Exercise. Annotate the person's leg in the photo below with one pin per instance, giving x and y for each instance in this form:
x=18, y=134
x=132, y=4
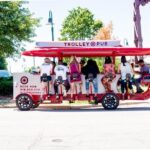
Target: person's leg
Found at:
x=109, y=86
x=56, y=89
x=87, y=87
x=95, y=85
x=110, y=80
x=137, y=84
x=80, y=87
x=65, y=88
x=67, y=85
x=71, y=92
x=72, y=89
x=123, y=87
x=44, y=89
x=105, y=83
x=130, y=86
x=49, y=78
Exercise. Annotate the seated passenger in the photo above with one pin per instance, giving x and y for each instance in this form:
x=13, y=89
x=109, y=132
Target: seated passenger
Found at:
x=46, y=70
x=144, y=69
x=91, y=70
x=61, y=77
x=126, y=71
x=75, y=75
x=109, y=74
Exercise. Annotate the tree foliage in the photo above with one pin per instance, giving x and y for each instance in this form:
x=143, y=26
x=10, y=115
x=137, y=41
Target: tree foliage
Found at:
x=105, y=33
x=3, y=64
x=79, y=25
x=17, y=25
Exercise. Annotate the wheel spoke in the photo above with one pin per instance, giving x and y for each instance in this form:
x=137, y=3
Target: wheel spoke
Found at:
x=24, y=102
x=110, y=101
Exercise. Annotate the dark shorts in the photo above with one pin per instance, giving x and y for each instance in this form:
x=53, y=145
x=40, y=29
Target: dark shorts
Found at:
x=126, y=84
x=45, y=78
x=75, y=77
x=64, y=82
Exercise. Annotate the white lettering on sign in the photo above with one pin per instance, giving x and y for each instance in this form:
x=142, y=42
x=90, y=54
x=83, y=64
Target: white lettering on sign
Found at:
x=102, y=43
x=85, y=44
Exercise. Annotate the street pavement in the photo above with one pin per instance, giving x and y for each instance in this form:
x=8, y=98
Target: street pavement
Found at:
x=128, y=127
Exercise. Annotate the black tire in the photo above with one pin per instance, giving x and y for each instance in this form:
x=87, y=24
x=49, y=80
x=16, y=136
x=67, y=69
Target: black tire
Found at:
x=110, y=101
x=24, y=102
x=35, y=105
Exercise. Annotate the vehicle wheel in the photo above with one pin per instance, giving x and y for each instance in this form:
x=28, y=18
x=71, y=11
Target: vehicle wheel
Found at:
x=110, y=101
x=24, y=102
x=35, y=105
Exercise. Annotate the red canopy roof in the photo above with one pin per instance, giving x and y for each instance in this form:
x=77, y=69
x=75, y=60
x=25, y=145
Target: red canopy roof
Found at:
x=87, y=52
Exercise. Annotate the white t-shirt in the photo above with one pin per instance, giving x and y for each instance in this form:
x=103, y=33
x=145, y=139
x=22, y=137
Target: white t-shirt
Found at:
x=46, y=68
x=125, y=70
x=61, y=70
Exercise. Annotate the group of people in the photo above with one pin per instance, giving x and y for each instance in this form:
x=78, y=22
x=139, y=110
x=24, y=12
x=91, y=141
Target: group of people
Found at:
x=90, y=70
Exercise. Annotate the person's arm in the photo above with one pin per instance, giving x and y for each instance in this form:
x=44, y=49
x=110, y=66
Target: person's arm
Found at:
x=114, y=71
x=79, y=68
x=69, y=68
x=119, y=71
x=132, y=71
x=55, y=69
x=137, y=72
x=104, y=70
x=51, y=69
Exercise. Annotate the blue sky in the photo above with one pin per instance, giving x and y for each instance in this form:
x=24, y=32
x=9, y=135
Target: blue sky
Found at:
x=120, y=12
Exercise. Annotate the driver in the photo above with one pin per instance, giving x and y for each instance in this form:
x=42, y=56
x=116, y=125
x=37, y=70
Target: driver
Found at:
x=144, y=69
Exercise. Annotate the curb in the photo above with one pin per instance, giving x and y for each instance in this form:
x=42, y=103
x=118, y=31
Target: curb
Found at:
x=64, y=106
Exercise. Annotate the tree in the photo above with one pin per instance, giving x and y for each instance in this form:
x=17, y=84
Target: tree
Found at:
x=79, y=25
x=3, y=64
x=105, y=33
x=17, y=25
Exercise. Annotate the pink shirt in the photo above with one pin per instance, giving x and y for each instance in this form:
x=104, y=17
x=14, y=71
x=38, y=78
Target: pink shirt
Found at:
x=74, y=67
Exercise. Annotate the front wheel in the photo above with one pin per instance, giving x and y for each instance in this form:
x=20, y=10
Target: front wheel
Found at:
x=110, y=101
x=24, y=102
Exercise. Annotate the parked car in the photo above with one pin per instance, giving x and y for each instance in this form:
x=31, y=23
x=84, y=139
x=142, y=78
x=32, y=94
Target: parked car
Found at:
x=5, y=74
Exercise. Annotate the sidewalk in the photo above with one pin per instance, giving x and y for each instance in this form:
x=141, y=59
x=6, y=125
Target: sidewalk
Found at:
x=9, y=103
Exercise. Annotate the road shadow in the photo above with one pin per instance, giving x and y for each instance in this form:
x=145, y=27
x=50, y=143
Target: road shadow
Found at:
x=97, y=109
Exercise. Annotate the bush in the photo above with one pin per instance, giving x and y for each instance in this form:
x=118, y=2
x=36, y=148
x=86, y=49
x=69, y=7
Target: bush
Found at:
x=6, y=86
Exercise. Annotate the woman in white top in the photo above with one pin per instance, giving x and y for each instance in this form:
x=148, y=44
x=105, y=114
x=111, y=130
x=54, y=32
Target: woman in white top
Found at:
x=45, y=72
x=126, y=74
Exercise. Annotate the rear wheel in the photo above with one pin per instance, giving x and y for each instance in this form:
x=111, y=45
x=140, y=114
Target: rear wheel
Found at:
x=24, y=102
x=110, y=101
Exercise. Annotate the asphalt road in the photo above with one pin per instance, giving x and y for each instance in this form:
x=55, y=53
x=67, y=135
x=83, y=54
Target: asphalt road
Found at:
x=92, y=129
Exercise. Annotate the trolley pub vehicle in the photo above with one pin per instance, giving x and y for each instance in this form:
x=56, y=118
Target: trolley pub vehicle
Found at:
x=27, y=86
